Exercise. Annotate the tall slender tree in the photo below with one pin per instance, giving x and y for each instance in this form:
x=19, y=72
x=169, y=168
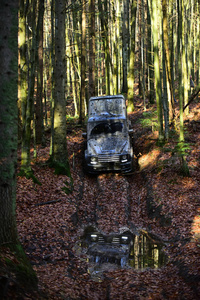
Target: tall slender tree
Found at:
x=181, y=66
x=52, y=66
x=185, y=77
x=116, y=48
x=39, y=55
x=165, y=93
x=60, y=155
x=142, y=51
x=22, y=70
x=131, y=74
x=154, y=21
x=28, y=101
x=166, y=54
x=125, y=44
x=180, y=47
x=92, y=48
x=23, y=75
x=104, y=32
x=150, y=66
x=198, y=44
x=83, y=61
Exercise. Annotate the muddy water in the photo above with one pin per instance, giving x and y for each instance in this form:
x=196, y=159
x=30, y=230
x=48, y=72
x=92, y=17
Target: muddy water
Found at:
x=122, y=250
x=112, y=211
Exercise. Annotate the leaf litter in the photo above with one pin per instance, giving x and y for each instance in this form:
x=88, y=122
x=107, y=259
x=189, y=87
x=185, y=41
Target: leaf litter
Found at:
x=49, y=232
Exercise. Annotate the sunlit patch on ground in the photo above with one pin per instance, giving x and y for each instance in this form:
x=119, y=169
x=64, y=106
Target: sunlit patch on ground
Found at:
x=196, y=227
x=149, y=159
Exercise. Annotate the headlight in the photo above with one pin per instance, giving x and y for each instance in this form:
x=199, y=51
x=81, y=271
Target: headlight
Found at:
x=93, y=160
x=124, y=158
x=94, y=237
x=124, y=239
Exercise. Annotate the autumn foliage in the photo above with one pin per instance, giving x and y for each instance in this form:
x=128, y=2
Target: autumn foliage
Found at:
x=155, y=198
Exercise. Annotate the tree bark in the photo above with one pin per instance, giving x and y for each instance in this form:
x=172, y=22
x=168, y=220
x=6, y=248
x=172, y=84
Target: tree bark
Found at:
x=151, y=90
x=27, y=101
x=39, y=105
x=8, y=117
x=60, y=155
x=131, y=76
x=23, y=85
x=52, y=75
x=116, y=52
x=181, y=59
x=167, y=59
x=154, y=20
x=125, y=44
x=92, y=48
x=83, y=63
x=104, y=28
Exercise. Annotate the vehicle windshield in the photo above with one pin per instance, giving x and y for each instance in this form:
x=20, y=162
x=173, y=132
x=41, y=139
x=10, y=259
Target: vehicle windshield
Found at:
x=114, y=106
x=107, y=127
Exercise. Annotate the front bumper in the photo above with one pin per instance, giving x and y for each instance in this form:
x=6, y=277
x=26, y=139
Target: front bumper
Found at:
x=106, y=166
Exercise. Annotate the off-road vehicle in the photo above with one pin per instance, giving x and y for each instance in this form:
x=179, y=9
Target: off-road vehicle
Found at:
x=108, y=146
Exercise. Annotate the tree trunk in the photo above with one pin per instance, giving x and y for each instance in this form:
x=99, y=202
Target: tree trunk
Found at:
x=172, y=50
x=185, y=77
x=92, y=48
x=27, y=104
x=52, y=66
x=143, y=71
x=181, y=59
x=8, y=117
x=125, y=44
x=104, y=28
x=165, y=94
x=167, y=59
x=180, y=36
x=115, y=40
x=131, y=78
x=22, y=70
x=83, y=63
x=150, y=59
x=76, y=57
x=23, y=75
x=60, y=155
x=198, y=46
x=154, y=20
x=39, y=105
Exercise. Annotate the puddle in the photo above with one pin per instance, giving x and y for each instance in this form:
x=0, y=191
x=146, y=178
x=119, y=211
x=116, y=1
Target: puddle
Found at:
x=123, y=250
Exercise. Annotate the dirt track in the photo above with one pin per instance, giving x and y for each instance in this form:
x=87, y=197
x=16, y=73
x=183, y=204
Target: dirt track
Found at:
x=146, y=200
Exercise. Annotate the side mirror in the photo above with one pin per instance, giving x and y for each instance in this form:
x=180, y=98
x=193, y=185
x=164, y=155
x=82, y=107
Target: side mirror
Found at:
x=84, y=135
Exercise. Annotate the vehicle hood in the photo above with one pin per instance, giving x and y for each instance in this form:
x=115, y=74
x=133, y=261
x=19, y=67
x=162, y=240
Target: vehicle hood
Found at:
x=107, y=145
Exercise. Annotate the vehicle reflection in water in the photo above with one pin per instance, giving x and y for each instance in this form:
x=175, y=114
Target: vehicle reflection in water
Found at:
x=124, y=250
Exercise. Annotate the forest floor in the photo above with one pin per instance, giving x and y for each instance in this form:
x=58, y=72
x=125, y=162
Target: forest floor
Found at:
x=156, y=198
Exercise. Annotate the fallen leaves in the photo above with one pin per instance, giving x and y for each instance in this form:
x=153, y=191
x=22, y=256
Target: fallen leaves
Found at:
x=50, y=223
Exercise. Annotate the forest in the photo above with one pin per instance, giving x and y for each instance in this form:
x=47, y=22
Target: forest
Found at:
x=67, y=234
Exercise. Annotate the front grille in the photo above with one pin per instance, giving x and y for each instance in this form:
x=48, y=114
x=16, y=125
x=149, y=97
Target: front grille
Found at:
x=108, y=158
x=101, y=239
x=116, y=240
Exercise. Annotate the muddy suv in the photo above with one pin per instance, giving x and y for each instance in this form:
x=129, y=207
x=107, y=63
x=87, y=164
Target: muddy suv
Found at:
x=108, y=146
